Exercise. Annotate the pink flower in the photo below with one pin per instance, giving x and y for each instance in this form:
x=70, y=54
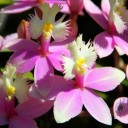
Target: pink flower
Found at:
x=120, y=109
x=22, y=5
x=86, y=81
x=111, y=21
x=23, y=114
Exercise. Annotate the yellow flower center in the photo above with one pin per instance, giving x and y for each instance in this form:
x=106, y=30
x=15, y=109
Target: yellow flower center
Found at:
x=10, y=90
x=47, y=29
x=80, y=65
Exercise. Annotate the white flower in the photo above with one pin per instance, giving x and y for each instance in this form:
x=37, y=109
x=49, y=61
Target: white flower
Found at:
x=14, y=85
x=82, y=57
x=47, y=26
x=115, y=15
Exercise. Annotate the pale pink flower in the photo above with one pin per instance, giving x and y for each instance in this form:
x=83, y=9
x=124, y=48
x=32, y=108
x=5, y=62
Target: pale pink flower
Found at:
x=109, y=18
x=120, y=109
x=86, y=80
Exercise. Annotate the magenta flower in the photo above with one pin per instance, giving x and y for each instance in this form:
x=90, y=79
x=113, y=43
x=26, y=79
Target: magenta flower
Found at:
x=120, y=109
x=23, y=114
x=109, y=18
x=86, y=80
x=22, y=5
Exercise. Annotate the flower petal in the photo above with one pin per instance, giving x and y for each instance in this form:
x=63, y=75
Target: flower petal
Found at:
x=21, y=88
x=108, y=78
x=42, y=68
x=22, y=122
x=55, y=59
x=95, y=13
x=105, y=5
x=96, y=106
x=61, y=29
x=69, y=108
x=120, y=109
x=23, y=60
x=17, y=7
x=21, y=44
x=104, y=44
x=34, y=108
x=122, y=42
x=36, y=26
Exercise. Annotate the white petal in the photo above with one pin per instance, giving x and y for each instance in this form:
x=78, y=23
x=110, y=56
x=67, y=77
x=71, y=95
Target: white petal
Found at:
x=119, y=23
x=36, y=25
x=68, y=68
x=21, y=88
x=61, y=30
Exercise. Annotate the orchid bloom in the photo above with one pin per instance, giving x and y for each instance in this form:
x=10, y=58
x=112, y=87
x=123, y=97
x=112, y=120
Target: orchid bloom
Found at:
x=47, y=26
x=22, y=5
x=87, y=79
x=120, y=109
x=23, y=114
x=111, y=20
x=14, y=87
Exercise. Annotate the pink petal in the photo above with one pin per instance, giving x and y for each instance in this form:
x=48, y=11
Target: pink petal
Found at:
x=34, y=108
x=96, y=106
x=18, y=7
x=67, y=105
x=60, y=46
x=59, y=84
x=105, y=5
x=42, y=68
x=122, y=42
x=23, y=60
x=103, y=44
x=95, y=13
x=22, y=122
x=120, y=109
x=21, y=44
x=104, y=79
x=55, y=59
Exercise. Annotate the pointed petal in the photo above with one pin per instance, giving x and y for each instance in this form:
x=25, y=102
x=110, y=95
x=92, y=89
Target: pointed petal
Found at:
x=42, y=68
x=108, y=78
x=17, y=7
x=95, y=13
x=34, y=108
x=22, y=122
x=23, y=60
x=21, y=88
x=122, y=42
x=21, y=44
x=105, y=5
x=96, y=106
x=103, y=44
x=120, y=109
x=69, y=108
x=56, y=60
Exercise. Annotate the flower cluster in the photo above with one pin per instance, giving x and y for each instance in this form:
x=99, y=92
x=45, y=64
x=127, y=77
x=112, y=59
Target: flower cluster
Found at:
x=46, y=46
